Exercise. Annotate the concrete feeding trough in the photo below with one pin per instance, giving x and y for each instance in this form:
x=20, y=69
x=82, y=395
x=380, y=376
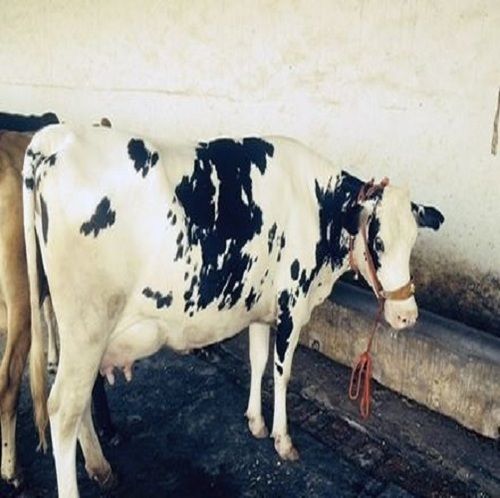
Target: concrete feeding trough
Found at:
x=444, y=365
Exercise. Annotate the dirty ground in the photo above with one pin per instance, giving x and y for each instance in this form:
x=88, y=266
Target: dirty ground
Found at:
x=184, y=435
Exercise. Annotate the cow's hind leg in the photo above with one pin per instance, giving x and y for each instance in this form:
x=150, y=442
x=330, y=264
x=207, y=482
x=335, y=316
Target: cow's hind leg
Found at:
x=258, y=335
x=286, y=342
x=102, y=416
x=96, y=464
x=68, y=401
x=11, y=371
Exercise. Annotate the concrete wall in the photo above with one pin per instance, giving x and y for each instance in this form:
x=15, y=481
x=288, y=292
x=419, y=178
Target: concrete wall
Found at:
x=401, y=88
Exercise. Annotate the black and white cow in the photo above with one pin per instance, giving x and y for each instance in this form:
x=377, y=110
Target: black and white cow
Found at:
x=146, y=246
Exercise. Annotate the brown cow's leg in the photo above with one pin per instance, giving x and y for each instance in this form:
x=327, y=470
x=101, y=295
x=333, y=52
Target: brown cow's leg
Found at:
x=14, y=284
x=11, y=371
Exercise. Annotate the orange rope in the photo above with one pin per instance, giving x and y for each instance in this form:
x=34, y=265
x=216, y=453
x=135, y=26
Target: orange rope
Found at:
x=360, y=384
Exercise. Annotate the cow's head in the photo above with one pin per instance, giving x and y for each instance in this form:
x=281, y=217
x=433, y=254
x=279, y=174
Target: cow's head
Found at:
x=384, y=224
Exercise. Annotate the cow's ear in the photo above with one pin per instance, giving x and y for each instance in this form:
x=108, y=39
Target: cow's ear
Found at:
x=427, y=216
x=351, y=219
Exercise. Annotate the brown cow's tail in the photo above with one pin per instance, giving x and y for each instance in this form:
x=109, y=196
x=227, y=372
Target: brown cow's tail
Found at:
x=38, y=370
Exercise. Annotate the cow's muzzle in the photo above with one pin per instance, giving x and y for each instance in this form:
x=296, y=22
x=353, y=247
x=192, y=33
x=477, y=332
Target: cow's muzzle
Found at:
x=401, y=314
x=400, y=308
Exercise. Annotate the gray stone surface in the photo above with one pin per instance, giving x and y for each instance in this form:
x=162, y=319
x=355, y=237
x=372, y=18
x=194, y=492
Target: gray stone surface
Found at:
x=449, y=367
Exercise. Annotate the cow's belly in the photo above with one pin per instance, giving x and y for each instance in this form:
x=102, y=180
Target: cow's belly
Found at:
x=138, y=337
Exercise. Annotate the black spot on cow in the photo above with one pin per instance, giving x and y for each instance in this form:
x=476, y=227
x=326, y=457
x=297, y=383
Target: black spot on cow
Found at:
x=294, y=269
x=51, y=160
x=29, y=183
x=251, y=299
x=281, y=240
x=180, y=253
x=337, y=210
x=162, y=301
x=180, y=246
x=304, y=282
x=45, y=219
x=169, y=214
x=186, y=276
x=36, y=159
x=279, y=368
x=174, y=219
x=143, y=158
x=103, y=217
x=188, y=295
x=284, y=324
x=373, y=230
x=222, y=237
x=270, y=237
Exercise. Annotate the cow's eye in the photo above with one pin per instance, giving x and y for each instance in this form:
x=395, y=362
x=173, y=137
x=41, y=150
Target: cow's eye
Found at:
x=379, y=244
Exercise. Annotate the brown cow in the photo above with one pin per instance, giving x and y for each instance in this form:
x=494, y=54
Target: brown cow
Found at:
x=14, y=292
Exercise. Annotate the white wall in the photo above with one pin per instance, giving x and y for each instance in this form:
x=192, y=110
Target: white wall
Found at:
x=403, y=88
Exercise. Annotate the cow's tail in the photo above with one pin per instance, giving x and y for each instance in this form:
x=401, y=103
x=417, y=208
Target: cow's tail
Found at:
x=38, y=370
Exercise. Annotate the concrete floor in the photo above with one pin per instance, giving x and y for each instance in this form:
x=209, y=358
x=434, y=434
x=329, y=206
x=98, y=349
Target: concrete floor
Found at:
x=185, y=436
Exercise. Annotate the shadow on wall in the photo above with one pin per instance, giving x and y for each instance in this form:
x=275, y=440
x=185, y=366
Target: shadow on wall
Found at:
x=454, y=290
x=458, y=291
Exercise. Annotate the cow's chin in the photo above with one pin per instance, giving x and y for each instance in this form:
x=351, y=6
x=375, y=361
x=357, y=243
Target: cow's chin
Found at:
x=401, y=314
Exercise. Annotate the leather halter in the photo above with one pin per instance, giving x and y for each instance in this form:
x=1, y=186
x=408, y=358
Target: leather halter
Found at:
x=400, y=294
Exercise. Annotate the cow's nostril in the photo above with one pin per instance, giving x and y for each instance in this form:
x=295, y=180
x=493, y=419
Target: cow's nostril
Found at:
x=402, y=319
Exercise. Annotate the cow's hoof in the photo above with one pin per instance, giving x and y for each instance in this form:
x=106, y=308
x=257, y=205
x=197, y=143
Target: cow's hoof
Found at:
x=16, y=481
x=257, y=427
x=107, y=480
x=286, y=450
x=111, y=482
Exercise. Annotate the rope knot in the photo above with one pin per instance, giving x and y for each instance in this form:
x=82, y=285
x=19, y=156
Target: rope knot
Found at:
x=360, y=384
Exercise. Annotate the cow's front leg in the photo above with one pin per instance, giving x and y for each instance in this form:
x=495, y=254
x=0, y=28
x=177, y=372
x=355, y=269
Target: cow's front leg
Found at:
x=258, y=335
x=287, y=336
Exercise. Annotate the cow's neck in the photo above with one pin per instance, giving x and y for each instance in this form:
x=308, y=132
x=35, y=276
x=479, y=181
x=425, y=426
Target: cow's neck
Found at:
x=335, y=195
